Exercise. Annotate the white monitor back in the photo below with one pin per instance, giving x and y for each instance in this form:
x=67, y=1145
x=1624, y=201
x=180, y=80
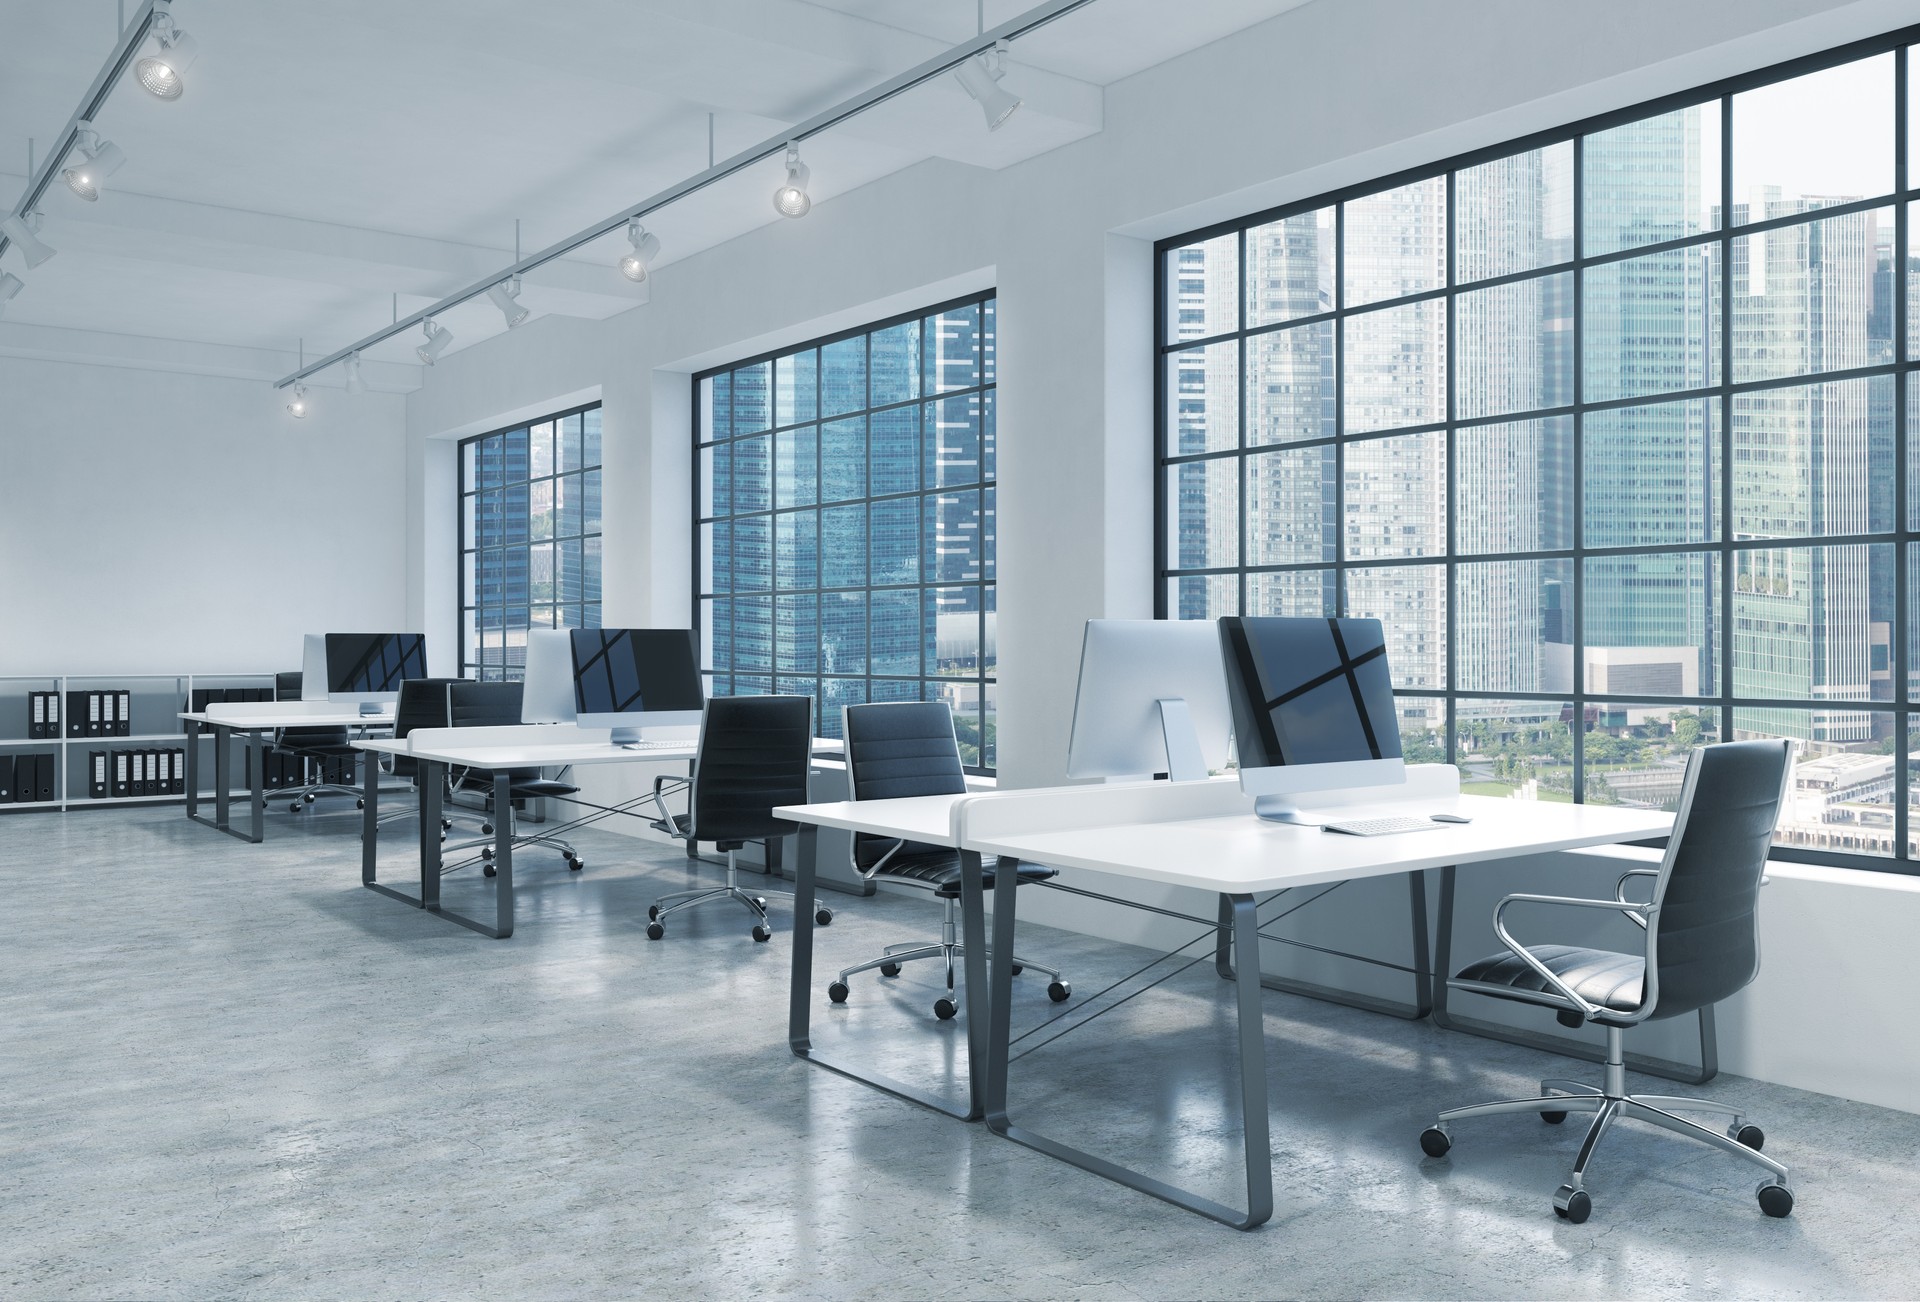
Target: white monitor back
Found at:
x=313, y=667
x=1127, y=668
x=549, y=681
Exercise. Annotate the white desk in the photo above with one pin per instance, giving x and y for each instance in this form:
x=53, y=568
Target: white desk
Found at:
x=254, y=720
x=1201, y=835
x=496, y=751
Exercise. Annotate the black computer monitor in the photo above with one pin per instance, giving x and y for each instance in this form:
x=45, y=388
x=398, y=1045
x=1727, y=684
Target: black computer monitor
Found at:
x=1312, y=707
x=369, y=667
x=627, y=678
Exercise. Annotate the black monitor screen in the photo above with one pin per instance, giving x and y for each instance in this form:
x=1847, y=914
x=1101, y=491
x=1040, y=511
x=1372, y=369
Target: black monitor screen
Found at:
x=1309, y=691
x=635, y=671
x=374, y=662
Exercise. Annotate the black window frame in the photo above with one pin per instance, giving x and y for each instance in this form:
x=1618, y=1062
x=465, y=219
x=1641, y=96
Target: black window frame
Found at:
x=1901, y=538
x=985, y=678
x=468, y=599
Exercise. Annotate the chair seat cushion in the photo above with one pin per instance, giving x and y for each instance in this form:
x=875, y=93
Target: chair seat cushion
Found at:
x=1599, y=976
x=681, y=826
x=940, y=870
x=523, y=786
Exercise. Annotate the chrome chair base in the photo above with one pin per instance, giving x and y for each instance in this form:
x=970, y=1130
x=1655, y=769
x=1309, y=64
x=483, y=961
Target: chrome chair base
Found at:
x=950, y=951
x=755, y=903
x=1611, y=1103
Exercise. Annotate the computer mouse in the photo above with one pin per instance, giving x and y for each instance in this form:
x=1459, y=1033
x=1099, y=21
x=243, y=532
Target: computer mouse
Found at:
x=1450, y=818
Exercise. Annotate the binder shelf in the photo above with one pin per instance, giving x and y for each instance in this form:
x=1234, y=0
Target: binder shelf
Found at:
x=55, y=729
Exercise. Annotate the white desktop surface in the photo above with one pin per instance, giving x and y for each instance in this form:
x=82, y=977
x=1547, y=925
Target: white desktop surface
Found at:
x=541, y=745
x=248, y=715
x=912, y=818
x=1241, y=853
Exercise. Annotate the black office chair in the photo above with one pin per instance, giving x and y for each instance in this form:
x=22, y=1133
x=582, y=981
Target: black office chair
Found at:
x=907, y=748
x=1702, y=944
x=422, y=704
x=753, y=756
x=493, y=705
x=324, y=752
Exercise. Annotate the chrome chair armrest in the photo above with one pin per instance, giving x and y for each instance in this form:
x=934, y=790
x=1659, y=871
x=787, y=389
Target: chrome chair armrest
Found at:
x=665, y=821
x=1519, y=951
x=866, y=874
x=1620, y=891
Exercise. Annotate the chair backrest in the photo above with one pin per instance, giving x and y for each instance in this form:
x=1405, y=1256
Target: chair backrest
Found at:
x=900, y=748
x=483, y=705
x=422, y=704
x=1708, y=927
x=286, y=686
x=754, y=752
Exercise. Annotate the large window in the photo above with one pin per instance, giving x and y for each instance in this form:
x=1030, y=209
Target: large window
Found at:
x=529, y=538
x=1607, y=425
x=846, y=520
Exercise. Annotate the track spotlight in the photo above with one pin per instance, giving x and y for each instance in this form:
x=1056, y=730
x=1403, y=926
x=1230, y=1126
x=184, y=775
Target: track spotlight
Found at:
x=791, y=200
x=98, y=160
x=9, y=286
x=298, y=406
x=160, y=71
x=21, y=232
x=438, y=337
x=510, y=307
x=645, y=249
x=980, y=76
x=355, y=385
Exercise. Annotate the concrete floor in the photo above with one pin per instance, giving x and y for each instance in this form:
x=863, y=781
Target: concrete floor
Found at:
x=227, y=1070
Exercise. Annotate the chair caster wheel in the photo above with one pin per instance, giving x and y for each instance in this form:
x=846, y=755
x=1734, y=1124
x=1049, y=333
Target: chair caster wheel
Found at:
x=446, y=824
x=486, y=829
x=1752, y=1136
x=889, y=969
x=1571, y=1204
x=309, y=798
x=1059, y=991
x=1017, y=969
x=490, y=870
x=1553, y=1118
x=295, y=807
x=944, y=1009
x=822, y=917
x=1776, y=1200
x=762, y=932
x=575, y=863
x=760, y=900
x=1435, y=1142
x=838, y=992
x=655, y=931
x=653, y=911
x=486, y=852
x=360, y=803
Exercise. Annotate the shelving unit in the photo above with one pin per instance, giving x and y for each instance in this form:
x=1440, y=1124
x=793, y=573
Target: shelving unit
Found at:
x=156, y=700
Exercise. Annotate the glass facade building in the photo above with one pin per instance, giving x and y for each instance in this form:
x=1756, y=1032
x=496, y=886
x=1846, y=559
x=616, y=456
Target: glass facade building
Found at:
x=845, y=507
x=529, y=538
x=1608, y=425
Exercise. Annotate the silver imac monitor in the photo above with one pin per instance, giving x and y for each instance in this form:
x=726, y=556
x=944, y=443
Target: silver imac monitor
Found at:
x=549, y=681
x=630, y=678
x=369, y=667
x=313, y=668
x=1312, y=708
x=1152, y=699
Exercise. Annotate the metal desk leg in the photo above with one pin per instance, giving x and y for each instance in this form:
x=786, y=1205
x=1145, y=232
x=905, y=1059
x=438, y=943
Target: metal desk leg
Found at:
x=193, y=771
x=1417, y=933
x=369, y=819
x=1566, y=1046
x=222, y=774
x=433, y=784
x=257, y=748
x=502, y=854
x=800, y=991
x=222, y=780
x=1257, y=1144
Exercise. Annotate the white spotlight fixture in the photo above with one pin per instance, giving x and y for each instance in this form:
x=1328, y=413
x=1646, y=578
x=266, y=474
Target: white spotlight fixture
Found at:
x=21, y=232
x=791, y=200
x=645, y=249
x=355, y=385
x=510, y=307
x=98, y=159
x=298, y=406
x=438, y=337
x=159, y=72
x=9, y=286
x=980, y=76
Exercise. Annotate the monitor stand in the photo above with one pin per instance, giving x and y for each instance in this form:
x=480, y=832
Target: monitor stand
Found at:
x=1184, y=760
x=370, y=709
x=1281, y=809
x=625, y=737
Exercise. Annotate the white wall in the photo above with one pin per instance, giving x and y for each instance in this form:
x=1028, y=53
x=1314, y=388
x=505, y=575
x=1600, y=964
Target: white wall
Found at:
x=1326, y=95
x=155, y=522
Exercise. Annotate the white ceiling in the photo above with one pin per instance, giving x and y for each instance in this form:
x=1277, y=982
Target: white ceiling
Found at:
x=327, y=156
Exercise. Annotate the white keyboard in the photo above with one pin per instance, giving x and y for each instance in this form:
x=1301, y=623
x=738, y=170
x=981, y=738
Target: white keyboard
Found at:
x=1381, y=826
x=655, y=745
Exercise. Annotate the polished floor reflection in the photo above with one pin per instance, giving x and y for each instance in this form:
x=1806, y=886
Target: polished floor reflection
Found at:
x=227, y=1070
